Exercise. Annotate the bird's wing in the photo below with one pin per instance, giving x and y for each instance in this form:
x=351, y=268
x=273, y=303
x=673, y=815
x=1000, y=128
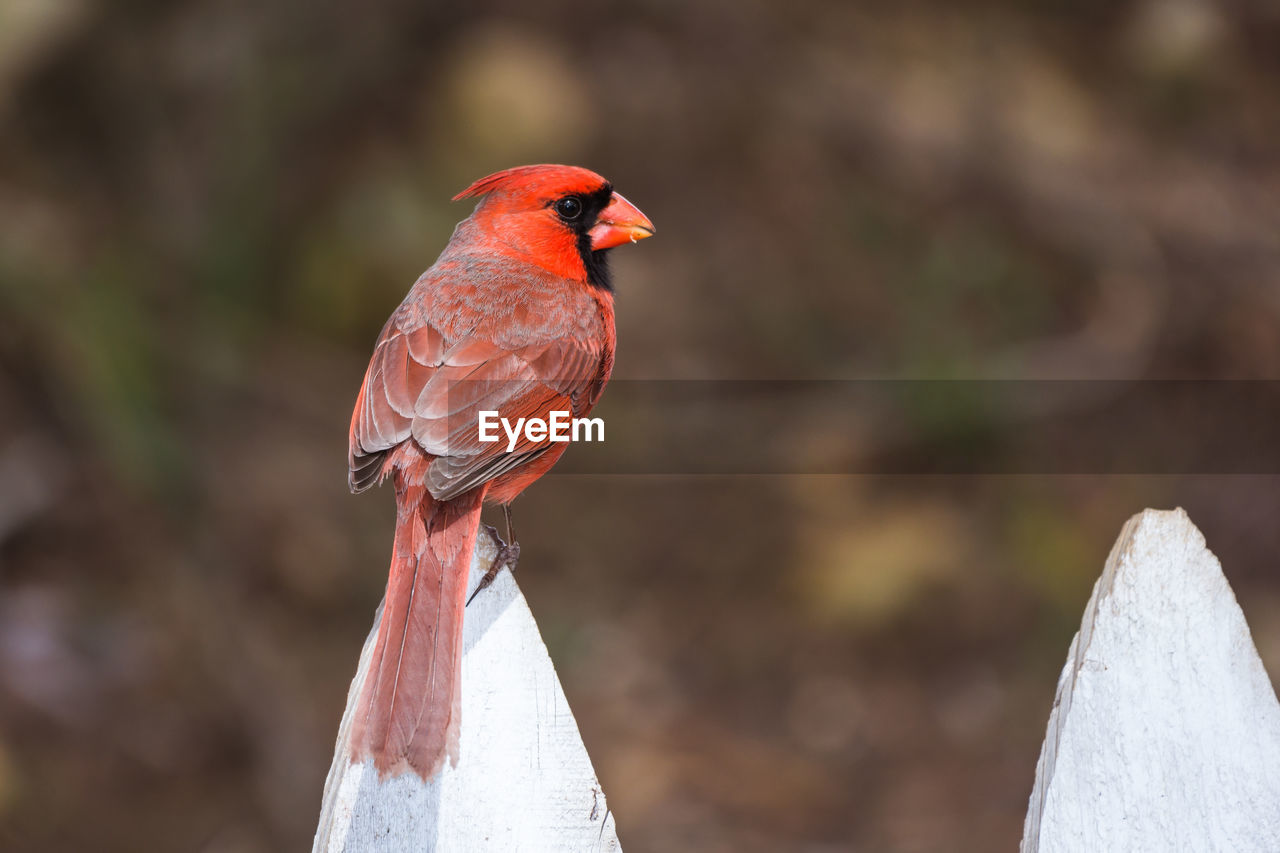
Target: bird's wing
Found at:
x=422, y=386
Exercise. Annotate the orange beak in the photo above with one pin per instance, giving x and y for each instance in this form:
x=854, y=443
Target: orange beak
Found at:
x=620, y=222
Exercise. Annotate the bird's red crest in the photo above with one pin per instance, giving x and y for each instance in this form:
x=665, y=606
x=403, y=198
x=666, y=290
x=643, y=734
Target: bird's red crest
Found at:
x=533, y=178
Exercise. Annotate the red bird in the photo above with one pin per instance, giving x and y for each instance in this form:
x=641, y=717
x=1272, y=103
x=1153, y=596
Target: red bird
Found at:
x=516, y=316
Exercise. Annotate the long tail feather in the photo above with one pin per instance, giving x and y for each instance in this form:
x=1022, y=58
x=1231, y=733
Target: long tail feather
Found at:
x=407, y=717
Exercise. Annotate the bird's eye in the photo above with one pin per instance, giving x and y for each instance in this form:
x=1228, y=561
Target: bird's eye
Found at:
x=569, y=207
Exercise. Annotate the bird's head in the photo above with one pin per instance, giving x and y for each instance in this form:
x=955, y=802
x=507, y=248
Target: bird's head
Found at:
x=562, y=218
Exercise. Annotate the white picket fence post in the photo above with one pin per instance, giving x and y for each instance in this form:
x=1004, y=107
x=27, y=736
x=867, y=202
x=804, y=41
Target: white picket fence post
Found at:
x=523, y=779
x=1165, y=732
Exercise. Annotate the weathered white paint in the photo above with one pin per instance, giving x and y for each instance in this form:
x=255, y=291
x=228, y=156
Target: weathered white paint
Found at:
x=523, y=781
x=1165, y=732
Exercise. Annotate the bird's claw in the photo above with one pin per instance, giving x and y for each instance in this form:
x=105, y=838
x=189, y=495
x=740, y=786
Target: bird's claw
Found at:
x=508, y=555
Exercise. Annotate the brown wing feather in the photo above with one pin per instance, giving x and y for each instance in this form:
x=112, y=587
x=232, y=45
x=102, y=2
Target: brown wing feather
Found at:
x=419, y=385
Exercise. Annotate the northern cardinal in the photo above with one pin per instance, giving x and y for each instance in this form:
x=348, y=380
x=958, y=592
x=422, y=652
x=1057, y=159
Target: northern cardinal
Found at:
x=515, y=316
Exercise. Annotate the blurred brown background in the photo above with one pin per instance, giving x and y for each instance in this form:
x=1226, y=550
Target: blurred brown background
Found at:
x=210, y=206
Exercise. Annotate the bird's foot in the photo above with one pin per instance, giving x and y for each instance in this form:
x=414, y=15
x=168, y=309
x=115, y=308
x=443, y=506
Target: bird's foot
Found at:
x=508, y=555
